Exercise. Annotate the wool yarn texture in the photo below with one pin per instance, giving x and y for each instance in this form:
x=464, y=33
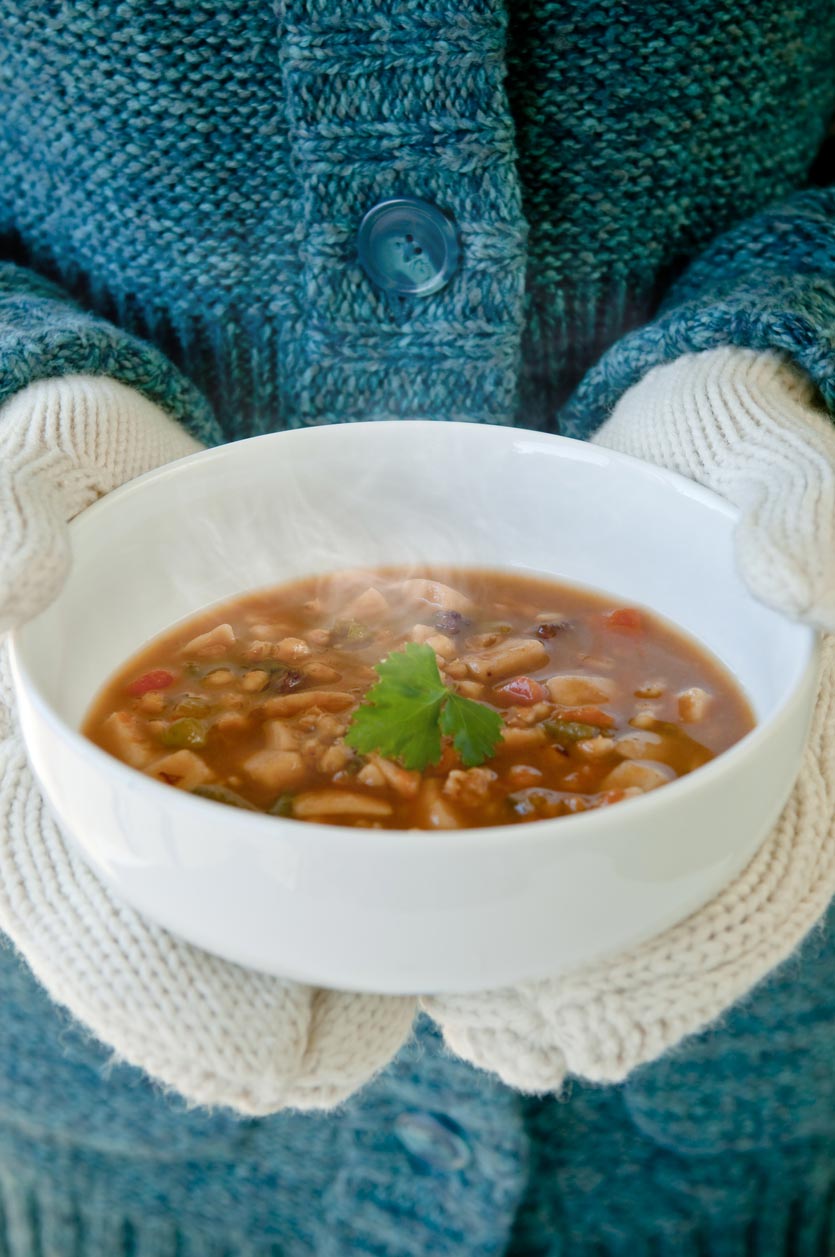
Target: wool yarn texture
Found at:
x=751, y=427
x=241, y=145
x=748, y=426
x=64, y=443
x=215, y=1032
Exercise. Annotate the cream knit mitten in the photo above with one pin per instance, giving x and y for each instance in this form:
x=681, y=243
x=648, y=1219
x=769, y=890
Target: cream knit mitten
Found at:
x=746, y=425
x=215, y=1032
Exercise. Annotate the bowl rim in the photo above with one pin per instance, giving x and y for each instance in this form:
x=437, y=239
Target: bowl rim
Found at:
x=261, y=827
x=585, y=450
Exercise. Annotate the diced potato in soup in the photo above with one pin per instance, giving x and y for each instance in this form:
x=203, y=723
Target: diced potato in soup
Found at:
x=252, y=703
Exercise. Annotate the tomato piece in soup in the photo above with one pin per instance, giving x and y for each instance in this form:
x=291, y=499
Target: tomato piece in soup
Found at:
x=158, y=679
x=628, y=618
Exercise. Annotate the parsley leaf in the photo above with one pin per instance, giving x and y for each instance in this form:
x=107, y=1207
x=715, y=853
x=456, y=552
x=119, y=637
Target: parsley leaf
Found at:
x=407, y=710
x=474, y=728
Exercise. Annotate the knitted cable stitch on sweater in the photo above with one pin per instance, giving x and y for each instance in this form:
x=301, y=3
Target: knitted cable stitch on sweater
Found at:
x=194, y=173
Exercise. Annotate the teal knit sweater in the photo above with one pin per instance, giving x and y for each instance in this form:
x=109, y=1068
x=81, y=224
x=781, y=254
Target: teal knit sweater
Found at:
x=180, y=189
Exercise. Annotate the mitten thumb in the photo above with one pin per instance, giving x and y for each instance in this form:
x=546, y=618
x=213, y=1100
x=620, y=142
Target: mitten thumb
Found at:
x=749, y=426
x=64, y=443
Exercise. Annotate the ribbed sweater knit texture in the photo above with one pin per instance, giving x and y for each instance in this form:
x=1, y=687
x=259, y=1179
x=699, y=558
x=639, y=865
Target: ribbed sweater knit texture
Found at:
x=180, y=188
x=194, y=173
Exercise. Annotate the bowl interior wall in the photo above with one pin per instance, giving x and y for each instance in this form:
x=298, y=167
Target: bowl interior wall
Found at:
x=265, y=511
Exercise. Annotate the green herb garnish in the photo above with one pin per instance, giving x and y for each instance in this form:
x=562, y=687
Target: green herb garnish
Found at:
x=351, y=633
x=220, y=794
x=409, y=708
x=571, y=730
x=283, y=805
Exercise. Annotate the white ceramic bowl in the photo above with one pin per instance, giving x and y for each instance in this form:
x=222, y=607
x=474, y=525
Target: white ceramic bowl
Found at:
x=406, y=911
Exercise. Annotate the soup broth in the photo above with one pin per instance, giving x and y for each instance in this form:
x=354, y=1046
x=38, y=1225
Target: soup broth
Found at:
x=253, y=703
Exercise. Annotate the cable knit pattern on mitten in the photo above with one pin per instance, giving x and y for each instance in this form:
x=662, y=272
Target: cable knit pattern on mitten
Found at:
x=217, y=1033
x=746, y=425
x=64, y=443
x=749, y=426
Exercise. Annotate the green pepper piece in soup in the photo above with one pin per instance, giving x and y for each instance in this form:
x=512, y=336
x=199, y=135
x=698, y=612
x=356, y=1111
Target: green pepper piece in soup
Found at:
x=185, y=732
x=221, y=794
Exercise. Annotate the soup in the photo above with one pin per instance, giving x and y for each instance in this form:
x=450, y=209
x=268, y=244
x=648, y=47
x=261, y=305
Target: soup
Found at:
x=430, y=699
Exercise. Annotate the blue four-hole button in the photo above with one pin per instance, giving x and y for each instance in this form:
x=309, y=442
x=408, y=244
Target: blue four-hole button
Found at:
x=408, y=247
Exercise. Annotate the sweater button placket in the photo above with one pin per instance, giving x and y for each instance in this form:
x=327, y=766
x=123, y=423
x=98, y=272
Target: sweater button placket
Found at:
x=391, y=158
